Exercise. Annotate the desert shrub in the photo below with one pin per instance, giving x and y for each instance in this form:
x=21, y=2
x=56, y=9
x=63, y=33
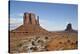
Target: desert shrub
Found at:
x=33, y=43
x=46, y=46
x=33, y=48
x=19, y=45
x=46, y=49
x=72, y=43
x=68, y=41
x=60, y=42
x=40, y=41
x=76, y=42
x=26, y=32
x=46, y=37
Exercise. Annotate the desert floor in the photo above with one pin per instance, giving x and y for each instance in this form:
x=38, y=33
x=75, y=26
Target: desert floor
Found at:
x=38, y=42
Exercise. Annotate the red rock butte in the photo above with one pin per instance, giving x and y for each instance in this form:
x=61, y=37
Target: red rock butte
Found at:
x=30, y=24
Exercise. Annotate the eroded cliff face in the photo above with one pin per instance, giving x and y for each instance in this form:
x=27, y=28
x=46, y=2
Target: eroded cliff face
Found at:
x=30, y=25
x=30, y=19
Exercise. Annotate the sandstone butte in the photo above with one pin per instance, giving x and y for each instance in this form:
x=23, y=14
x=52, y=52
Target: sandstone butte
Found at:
x=30, y=25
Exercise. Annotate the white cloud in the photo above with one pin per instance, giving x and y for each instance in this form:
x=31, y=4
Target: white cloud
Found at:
x=21, y=14
x=15, y=22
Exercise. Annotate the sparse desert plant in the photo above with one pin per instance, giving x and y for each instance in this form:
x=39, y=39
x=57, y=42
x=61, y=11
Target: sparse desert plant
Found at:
x=72, y=43
x=76, y=42
x=33, y=48
x=68, y=41
x=19, y=45
x=60, y=42
x=33, y=43
x=46, y=37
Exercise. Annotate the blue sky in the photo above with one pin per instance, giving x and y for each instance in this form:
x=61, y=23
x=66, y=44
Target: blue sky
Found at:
x=53, y=16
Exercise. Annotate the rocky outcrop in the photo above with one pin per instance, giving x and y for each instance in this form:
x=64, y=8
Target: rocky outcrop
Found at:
x=69, y=27
x=30, y=24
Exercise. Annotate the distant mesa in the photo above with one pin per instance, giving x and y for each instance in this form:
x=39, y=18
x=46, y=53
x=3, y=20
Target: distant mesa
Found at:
x=69, y=28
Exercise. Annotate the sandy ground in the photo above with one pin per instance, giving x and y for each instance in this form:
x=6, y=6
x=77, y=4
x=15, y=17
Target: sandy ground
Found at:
x=32, y=42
